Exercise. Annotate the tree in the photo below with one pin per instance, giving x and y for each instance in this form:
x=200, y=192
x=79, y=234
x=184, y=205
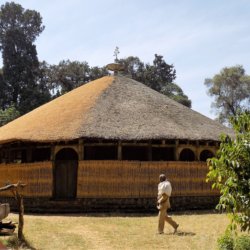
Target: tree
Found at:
x=134, y=67
x=159, y=76
x=4, y=93
x=8, y=115
x=97, y=72
x=175, y=92
x=230, y=172
x=18, y=31
x=68, y=75
x=231, y=89
x=14, y=18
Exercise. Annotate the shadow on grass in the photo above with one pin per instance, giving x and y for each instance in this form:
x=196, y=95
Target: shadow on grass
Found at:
x=125, y=214
x=185, y=233
x=180, y=233
x=14, y=243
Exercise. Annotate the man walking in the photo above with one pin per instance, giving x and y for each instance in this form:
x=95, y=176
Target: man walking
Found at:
x=163, y=203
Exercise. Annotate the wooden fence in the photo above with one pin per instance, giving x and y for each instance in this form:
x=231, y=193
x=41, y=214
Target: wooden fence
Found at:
x=112, y=179
x=139, y=179
x=37, y=176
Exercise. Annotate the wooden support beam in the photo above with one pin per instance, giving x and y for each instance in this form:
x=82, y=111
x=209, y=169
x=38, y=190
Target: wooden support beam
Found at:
x=96, y=144
x=176, y=154
x=129, y=144
x=119, y=151
x=150, y=152
x=29, y=154
x=80, y=150
x=52, y=153
x=163, y=146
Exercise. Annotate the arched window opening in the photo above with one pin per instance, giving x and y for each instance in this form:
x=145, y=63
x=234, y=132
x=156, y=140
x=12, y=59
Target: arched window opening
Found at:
x=206, y=154
x=187, y=155
x=67, y=154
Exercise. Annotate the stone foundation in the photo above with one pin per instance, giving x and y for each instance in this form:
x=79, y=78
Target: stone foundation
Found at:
x=125, y=205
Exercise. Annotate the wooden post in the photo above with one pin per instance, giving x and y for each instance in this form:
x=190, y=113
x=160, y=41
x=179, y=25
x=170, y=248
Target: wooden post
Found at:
x=80, y=150
x=176, y=156
x=21, y=219
x=52, y=155
x=150, y=152
x=119, y=152
x=29, y=154
x=197, y=153
x=14, y=188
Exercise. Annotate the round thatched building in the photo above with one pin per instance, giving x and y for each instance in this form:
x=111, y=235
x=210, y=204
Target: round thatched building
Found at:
x=102, y=147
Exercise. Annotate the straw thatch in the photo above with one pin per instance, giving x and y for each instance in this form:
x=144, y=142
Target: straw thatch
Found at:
x=112, y=107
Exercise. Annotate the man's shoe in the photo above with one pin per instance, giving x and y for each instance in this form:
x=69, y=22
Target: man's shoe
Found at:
x=175, y=230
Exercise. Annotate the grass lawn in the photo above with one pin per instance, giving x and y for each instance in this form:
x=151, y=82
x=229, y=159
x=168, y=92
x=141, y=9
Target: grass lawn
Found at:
x=52, y=232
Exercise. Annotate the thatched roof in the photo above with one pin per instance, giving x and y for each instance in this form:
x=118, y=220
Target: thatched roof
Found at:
x=112, y=107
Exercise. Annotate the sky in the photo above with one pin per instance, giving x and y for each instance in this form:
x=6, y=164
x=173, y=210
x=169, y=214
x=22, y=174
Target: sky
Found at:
x=199, y=37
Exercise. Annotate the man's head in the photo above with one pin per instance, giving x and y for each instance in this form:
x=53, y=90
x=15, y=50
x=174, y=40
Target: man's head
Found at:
x=162, y=177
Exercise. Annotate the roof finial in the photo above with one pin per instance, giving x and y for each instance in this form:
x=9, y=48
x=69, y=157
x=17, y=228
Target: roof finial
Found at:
x=116, y=52
x=115, y=66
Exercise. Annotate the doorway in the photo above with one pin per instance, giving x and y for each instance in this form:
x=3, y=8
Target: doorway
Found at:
x=65, y=179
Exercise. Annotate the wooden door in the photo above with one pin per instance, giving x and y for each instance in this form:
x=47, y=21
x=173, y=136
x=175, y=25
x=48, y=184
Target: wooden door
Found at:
x=66, y=175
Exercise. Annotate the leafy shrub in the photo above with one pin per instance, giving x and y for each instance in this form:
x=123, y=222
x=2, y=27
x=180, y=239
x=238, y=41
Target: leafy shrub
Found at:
x=229, y=242
x=243, y=242
x=226, y=242
x=230, y=173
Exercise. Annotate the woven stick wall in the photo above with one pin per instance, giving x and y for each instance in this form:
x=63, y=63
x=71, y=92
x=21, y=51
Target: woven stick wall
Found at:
x=37, y=176
x=116, y=179
x=140, y=179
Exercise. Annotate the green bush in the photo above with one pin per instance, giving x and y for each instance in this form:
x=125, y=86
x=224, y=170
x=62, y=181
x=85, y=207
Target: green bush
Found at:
x=243, y=242
x=230, y=173
x=228, y=242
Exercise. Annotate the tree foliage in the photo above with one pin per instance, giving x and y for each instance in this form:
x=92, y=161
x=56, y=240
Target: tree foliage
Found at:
x=231, y=89
x=68, y=75
x=8, y=115
x=230, y=172
x=18, y=31
x=133, y=67
x=159, y=76
x=4, y=92
x=173, y=91
x=14, y=18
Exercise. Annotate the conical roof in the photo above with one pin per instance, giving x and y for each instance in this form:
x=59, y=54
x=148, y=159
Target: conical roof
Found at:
x=112, y=107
